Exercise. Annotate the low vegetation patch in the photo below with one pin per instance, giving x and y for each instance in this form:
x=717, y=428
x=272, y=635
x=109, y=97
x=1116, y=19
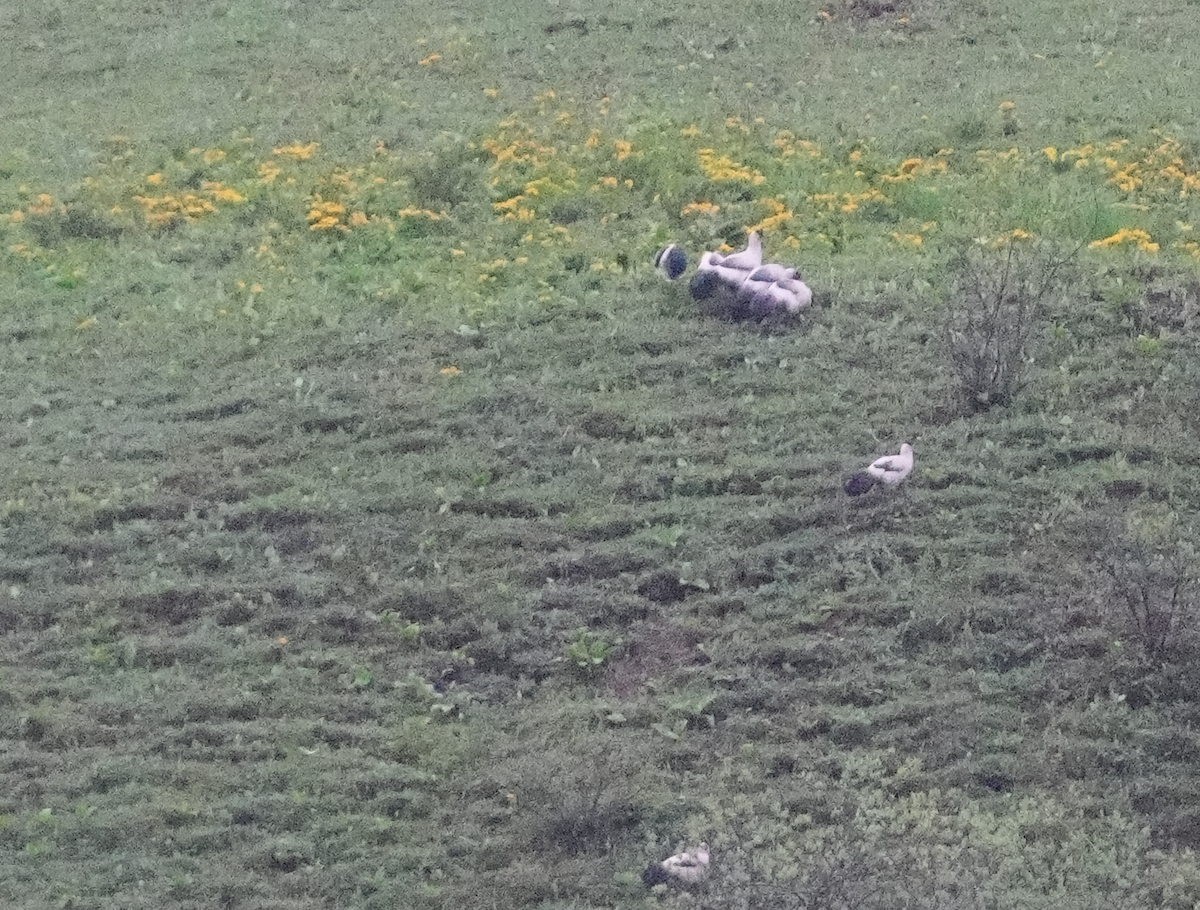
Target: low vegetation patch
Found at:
x=378, y=530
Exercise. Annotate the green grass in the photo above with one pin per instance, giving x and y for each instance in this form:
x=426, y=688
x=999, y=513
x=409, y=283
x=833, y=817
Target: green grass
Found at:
x=376, y=530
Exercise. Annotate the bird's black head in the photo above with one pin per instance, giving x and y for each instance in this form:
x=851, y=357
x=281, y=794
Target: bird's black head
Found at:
x=671, y=261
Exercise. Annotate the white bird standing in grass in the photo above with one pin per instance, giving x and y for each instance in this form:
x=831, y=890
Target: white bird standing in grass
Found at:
x=688, y=867
x=888, y=470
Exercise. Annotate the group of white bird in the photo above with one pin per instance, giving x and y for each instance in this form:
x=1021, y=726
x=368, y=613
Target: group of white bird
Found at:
x=754, y=291
x=743, y=287
x=739, y=285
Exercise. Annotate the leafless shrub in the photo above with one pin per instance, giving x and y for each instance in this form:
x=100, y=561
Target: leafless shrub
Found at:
x=994, y=310
x=1151, y=561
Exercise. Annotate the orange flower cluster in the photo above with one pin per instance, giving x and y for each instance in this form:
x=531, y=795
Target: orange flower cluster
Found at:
x=171, y=207
x=1126, y=237
x=720, y=168
x=847, y=203
x=779, y=215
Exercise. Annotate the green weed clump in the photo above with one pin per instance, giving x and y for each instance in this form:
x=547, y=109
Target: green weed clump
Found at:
x=869, y=841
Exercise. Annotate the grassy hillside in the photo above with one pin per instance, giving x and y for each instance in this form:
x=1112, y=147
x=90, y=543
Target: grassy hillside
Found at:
x=377, y=530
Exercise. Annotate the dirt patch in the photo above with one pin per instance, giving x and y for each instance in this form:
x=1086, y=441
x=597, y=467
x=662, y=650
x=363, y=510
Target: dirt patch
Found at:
x=654, y=653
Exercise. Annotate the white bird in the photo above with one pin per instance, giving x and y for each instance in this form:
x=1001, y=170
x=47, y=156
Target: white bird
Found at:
x=773, y=271
x=730, y=277
x=888, y=470
x=766, y=297
x=799, y=290
x=762, y=298
x=748, y=259
x=688, y=867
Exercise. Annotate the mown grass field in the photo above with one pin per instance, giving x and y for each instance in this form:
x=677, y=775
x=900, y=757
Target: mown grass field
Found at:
x=377, y=530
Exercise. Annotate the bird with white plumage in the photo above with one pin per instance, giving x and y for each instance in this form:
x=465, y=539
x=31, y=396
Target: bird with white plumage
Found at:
x=888, y=470
x=745, y=260
x=687, y=867
x=773, y=271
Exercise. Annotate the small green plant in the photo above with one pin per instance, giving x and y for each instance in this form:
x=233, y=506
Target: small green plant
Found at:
x=407, y=632
x=1148, y=345
x=667, y=536
x=588, y=651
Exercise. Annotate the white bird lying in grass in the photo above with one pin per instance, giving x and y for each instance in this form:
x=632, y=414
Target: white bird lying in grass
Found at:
x=764, y=296
x=773, y=271
x=888, y=470
x=688, y=867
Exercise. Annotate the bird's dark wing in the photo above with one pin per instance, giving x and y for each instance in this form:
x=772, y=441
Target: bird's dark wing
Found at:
x=859, y=483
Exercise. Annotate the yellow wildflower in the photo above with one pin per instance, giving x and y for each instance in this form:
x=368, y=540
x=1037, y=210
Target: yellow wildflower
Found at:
x=508, y=204
x=722, y=168
x=45, y=203
x=411, y=212
x=325, y=215
x=298, y=152
x=224, y=193
x=1134, y=236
